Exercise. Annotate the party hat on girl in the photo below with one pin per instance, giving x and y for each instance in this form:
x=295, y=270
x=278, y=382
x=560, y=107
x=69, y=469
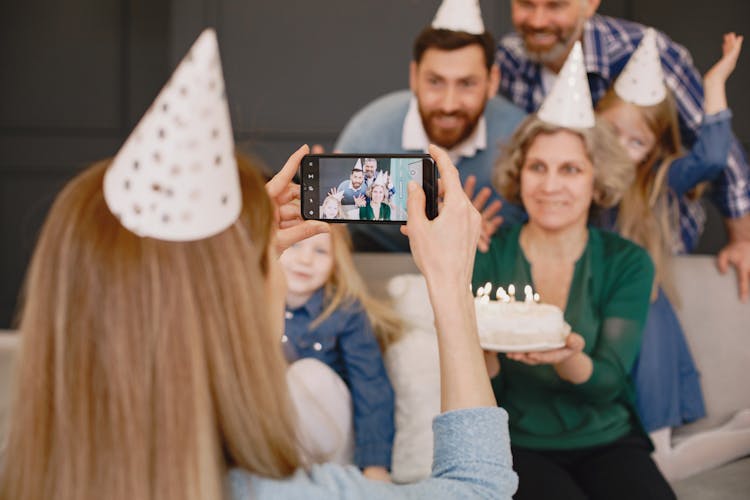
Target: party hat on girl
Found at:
x=642, y=80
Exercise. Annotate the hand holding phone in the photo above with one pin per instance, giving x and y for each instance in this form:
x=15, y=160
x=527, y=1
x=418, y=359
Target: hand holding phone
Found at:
x=364, y=188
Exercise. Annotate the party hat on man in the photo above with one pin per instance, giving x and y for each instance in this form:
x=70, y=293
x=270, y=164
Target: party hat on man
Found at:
x=642, y=80
x=175, y=178
x=459, y=15
x=569, y=102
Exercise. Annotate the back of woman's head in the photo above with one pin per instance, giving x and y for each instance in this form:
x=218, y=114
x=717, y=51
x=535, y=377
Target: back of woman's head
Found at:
x=613, y=170
x=147, y=366
x=345, y=286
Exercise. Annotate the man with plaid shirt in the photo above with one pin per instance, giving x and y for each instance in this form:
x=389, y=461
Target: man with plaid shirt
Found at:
x=530, y=58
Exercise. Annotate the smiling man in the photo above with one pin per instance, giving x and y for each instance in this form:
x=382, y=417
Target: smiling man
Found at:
x=452, y=102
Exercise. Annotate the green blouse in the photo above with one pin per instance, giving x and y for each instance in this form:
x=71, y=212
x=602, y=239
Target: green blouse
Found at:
x=607, y=306
x=367, y=213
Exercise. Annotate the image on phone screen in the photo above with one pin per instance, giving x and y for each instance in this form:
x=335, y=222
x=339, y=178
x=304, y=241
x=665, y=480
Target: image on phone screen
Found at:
x=359, y=188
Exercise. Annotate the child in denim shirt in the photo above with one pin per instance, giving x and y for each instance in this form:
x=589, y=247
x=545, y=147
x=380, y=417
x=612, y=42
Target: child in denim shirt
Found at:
x=331, y=318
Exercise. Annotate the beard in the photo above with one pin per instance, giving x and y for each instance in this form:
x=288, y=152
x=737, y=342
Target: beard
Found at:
x=559, y=50
x=447, y=138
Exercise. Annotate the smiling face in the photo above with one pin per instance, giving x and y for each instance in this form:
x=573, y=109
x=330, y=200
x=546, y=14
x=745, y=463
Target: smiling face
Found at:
x=378, y=193
x=331, y=208
x=357, y=178
x=550, y=27
x=307, y=266
x=557, y=181
x=452, y=88
x=631, y=129
x=369, y=166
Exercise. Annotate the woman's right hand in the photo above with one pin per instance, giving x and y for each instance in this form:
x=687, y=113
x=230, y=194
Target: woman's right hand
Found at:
x=444, y=248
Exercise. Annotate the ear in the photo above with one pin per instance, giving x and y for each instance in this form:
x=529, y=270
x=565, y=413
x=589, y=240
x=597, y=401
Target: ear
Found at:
x=591, y=7
x=494, y=83
x=413, y=77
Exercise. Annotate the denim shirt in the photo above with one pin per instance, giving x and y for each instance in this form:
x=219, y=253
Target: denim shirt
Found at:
x=345, y=341
x=472, y=460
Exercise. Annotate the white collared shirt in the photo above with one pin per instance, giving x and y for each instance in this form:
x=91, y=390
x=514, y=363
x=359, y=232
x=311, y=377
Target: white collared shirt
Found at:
x=414, y=135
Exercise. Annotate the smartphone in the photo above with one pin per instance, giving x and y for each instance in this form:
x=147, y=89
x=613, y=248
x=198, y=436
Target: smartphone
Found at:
x=364, y=188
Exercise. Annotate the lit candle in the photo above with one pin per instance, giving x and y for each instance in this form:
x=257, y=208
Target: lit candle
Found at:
x=512, y=292
x=501, y=295
x=536, y=297
x=528, y=294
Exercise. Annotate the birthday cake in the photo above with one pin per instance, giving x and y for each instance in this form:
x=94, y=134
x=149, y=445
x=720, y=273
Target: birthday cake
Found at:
x=509, y=325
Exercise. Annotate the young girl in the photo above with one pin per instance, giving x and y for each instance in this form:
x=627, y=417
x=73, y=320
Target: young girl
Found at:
x=331, y=206
x=331, y=317
x=653, y=214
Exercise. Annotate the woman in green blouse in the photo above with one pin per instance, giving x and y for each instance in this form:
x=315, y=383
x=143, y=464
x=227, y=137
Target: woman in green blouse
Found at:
x=376, y=207
x=574, y=430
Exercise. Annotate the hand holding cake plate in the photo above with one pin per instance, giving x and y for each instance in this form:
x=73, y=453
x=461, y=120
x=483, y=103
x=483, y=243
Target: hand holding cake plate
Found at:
x=574, y=343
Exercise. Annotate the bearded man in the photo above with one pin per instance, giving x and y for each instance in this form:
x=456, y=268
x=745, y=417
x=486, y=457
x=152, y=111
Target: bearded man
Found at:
x=452, y=102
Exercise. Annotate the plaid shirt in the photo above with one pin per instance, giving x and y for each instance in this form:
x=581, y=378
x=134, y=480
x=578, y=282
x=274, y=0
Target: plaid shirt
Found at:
x=608, y=44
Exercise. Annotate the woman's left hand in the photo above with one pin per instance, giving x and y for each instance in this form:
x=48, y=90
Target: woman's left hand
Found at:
x=574, y=344
x=285, y=195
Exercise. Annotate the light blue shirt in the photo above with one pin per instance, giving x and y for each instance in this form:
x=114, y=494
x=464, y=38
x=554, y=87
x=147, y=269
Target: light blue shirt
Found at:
x=472, y=460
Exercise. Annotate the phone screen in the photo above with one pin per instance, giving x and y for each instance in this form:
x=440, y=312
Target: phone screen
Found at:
x=363, y=188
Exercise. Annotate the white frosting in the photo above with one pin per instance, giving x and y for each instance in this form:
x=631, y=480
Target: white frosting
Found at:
x=512, y=323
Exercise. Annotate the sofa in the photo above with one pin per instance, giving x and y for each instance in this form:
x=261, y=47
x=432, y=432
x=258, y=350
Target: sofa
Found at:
x=716, y=323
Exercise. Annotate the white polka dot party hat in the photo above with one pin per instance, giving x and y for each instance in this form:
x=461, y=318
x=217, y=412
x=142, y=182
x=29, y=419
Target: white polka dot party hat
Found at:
x=459, y=15
x=642, y=80
x=569, y=102
x=175, y=178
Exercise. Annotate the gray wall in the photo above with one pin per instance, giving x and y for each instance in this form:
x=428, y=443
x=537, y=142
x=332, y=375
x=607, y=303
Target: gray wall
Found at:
x=76, y=75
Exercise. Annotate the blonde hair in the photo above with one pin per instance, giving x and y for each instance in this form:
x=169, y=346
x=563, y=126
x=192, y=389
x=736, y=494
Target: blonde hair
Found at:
x=147, y=368
x=339, y=212
x=613, y=170
x=646, y=214
x=345, y=287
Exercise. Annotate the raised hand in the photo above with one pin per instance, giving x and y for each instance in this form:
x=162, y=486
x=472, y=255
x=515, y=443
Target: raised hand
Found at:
x=444, y=250
x=714, y=82
x=360, y=201
x=490, y=220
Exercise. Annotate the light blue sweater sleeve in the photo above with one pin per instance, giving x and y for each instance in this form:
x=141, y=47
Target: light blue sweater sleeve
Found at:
x=472, y=460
